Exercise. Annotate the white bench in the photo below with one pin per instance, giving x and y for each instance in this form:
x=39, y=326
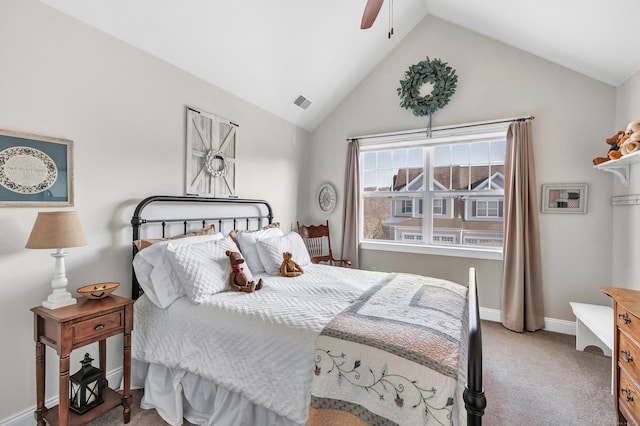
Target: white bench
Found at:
x=594, y=326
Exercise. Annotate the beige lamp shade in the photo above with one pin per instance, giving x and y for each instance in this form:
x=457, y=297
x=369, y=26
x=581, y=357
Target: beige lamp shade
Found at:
x=56, y=230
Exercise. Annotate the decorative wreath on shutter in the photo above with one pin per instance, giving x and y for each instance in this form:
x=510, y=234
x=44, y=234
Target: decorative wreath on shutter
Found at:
x=436, y=72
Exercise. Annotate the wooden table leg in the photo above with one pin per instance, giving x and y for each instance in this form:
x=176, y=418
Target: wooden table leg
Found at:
x=102, y=361
x=126, y=371
x=63, y=407
x=41, y=411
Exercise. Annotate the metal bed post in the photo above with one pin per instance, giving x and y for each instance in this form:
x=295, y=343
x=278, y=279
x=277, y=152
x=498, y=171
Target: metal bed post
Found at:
x=474, y=400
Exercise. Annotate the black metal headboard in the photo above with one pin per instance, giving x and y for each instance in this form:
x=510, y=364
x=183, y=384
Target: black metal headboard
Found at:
x=175, y=215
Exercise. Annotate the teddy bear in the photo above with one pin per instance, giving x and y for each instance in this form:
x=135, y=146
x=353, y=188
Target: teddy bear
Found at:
x=629, y=138
x=614, y=149
x=238, y=278
x=631, y=143
x=289, y=268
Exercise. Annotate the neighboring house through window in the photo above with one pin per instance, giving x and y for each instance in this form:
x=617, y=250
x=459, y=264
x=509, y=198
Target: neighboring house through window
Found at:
x=439, y=193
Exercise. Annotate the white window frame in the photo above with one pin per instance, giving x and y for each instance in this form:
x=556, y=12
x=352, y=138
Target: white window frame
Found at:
x=470, y=214
x=473, y=132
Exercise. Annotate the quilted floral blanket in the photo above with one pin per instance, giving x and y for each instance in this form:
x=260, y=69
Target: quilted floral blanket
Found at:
x=392, y=357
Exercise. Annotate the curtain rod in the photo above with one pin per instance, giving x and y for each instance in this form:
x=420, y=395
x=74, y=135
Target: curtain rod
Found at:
x=454, y=126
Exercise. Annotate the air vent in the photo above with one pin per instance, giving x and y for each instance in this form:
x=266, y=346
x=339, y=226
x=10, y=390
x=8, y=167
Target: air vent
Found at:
x=302, y=102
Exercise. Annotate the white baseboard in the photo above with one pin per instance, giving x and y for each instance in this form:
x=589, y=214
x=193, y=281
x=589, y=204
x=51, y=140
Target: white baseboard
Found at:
x=550, y=324
x=26, y=418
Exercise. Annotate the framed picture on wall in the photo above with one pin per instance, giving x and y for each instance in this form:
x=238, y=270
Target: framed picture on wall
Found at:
x=35, y=171
x=564, y=198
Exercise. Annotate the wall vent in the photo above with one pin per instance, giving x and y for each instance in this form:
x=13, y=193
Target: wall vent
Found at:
x=302, y=102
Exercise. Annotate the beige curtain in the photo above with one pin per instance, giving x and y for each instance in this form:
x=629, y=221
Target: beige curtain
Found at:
x=351, y=196
x=522, y=305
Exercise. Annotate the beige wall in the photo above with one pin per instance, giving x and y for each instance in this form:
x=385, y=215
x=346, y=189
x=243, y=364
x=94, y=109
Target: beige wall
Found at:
x=625, y=219
x=573, y=114
x=125, y=112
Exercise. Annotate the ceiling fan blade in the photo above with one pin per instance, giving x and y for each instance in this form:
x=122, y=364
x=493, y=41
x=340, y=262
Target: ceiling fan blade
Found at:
x=370, y=13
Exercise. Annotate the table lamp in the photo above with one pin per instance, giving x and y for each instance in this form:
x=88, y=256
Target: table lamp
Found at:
x=57, y=230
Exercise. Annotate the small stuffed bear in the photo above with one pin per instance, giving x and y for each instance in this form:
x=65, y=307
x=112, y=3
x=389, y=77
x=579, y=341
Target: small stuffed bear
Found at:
x=614, y=151
x=631, y=145
x=632, y=142
x=627, y=138
x=289, y=268
x=238, y=279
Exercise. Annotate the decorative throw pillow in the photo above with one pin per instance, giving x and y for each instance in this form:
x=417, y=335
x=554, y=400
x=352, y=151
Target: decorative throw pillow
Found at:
x=247, y=243
x=234, y=234
x=144, y=243
x=155, y=274
x=203, y=268
x=270, y=251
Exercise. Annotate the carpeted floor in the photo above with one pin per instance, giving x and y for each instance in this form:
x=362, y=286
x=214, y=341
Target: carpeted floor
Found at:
x=540, y=379
x=529, y=378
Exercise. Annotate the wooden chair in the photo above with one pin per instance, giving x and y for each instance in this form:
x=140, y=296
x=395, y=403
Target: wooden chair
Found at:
x=318, y=242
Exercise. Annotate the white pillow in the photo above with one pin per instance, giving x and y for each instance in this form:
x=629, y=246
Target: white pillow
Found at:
x=204, y=268
x=270, y=251
x=155, y=273
x=247, y=243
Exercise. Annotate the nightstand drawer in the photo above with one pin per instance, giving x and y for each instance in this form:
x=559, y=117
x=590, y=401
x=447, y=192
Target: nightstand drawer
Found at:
x=98, y=326
x=629, y=355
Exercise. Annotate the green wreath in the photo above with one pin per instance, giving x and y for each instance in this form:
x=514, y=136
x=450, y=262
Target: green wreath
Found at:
x=436, y=72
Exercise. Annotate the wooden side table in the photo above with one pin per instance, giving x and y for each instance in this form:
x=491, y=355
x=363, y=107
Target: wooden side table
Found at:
x=72, y=327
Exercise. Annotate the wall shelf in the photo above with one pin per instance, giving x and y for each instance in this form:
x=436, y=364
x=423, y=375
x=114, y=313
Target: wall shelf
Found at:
x=621, y=167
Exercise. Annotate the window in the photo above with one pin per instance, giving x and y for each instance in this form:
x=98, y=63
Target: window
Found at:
x=447, y=191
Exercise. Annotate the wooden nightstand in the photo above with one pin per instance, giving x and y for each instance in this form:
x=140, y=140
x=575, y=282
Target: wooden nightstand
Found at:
x=72, y=327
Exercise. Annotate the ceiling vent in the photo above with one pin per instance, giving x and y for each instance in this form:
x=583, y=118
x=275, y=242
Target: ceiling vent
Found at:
x=302, y=102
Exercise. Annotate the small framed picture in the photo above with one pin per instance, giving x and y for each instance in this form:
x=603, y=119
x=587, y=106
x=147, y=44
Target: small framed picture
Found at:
x=35, y=171
x=564, y=198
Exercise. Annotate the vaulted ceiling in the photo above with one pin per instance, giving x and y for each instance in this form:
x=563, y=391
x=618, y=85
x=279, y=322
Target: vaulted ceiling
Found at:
x=271, y=52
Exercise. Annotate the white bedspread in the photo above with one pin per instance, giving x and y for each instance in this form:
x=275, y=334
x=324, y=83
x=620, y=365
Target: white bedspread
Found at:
x=260, y=344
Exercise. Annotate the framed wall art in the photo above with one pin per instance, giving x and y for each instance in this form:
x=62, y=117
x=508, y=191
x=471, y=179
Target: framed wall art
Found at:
x=564, y=198
x=35, y=171
x=211, y=155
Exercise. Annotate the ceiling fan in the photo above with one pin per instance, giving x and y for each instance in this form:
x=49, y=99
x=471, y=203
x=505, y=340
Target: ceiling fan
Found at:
x=371, y=10
x=370, y=14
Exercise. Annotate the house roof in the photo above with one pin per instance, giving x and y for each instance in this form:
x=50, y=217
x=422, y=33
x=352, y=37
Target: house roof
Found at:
x=455, y=178
x=274, y=51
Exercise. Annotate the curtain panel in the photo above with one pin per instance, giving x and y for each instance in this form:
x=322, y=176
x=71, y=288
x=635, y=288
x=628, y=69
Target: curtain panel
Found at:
x=522, y=303
x=351, y=199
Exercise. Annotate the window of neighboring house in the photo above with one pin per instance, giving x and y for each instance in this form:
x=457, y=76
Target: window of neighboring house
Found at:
x=404, y=208
x=444, y=192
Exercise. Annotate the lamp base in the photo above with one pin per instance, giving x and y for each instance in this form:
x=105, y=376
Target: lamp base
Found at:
x=60, y=297
x=59, y=300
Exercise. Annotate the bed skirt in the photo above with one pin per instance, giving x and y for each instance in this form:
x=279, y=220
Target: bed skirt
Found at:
x=176, y=394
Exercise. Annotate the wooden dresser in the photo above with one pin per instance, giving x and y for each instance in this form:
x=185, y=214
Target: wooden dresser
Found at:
x=626, y=353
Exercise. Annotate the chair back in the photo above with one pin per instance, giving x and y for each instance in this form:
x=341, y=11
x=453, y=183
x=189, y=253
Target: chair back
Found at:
x=318, y=242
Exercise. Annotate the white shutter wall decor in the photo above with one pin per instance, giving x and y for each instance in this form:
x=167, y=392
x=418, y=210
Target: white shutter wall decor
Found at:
x=210, y=156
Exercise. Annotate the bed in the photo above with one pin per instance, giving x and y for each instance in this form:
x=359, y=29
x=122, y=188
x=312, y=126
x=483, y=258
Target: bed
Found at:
x=333, y=346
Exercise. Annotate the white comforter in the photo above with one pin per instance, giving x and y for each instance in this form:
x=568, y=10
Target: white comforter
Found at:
x=260, y=344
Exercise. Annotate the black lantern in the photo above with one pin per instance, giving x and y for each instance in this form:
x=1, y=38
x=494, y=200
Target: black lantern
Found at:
x=86, y=387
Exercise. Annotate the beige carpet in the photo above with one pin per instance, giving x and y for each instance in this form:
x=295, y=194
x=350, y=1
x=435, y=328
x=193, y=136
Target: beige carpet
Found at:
x=529, y=378
x=540, y=379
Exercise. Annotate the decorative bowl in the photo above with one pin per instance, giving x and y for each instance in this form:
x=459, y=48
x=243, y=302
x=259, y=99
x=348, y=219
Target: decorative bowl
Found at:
x=98, y=290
